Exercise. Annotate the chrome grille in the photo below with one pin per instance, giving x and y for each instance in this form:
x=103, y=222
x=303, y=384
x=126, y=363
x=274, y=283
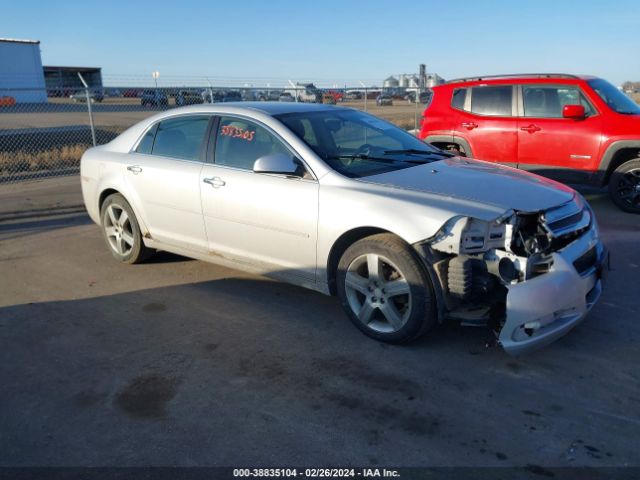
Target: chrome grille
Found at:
x=569, y=219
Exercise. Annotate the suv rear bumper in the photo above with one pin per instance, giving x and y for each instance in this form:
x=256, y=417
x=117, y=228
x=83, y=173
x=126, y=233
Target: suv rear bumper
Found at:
x=544, y=308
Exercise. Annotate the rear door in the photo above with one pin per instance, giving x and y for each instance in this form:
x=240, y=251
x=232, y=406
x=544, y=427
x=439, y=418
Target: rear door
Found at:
x=487, y=123
x=553, y=146
x=163, y=175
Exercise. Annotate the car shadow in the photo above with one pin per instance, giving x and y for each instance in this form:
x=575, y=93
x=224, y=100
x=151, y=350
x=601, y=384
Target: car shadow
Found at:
x=30, y=225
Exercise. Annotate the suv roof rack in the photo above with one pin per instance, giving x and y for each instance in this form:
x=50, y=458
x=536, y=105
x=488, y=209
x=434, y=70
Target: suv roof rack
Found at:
x=513, y=75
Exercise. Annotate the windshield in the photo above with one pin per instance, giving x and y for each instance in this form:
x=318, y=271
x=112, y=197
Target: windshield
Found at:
x=613, y=97
x=357, y=144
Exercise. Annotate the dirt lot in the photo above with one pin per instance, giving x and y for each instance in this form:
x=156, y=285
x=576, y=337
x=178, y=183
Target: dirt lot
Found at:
x=121, y=113
x=178, y=362
x=35, y=139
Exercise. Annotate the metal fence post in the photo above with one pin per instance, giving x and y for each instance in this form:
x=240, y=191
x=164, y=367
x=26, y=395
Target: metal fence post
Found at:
x=415, y=112
x=88, y=97
x=366, y=94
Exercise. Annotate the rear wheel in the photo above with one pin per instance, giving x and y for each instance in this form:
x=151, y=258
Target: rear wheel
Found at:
x=384, y=289
x=624, y=186
x=121, y=231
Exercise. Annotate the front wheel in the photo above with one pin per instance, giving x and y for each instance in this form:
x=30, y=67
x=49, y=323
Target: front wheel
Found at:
x=384, y=289
x=121, y=231
x=624, y=186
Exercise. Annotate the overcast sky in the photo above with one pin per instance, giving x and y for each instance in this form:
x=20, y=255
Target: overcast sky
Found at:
x=332, y=41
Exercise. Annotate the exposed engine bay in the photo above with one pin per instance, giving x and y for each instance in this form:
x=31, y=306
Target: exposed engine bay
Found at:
x=476, y=261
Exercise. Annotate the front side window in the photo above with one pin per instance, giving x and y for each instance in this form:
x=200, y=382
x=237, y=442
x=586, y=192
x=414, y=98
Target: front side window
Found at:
x=542, y=101
x=240, y=143
x=180, y=137
x=614, y=98
x=357, y=144
x=495, y=101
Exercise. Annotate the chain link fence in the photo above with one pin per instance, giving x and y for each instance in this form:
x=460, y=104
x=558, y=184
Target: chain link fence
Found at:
x=43, y=133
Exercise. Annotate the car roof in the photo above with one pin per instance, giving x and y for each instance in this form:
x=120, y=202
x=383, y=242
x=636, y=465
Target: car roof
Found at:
x=521, y=77
x=269, y=108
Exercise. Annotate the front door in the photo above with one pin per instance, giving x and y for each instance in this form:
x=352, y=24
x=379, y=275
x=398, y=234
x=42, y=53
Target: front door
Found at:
x=264, y=219
x=548, y=144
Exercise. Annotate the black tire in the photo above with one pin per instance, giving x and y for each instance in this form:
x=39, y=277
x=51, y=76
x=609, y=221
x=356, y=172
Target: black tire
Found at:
x=417, y=307
x=624, y=186
x=135, y=253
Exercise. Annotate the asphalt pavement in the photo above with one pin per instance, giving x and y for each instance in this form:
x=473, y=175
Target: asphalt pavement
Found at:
x=183, y=363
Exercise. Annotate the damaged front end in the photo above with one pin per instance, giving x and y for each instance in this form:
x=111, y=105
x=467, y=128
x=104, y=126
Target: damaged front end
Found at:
x=530, y=276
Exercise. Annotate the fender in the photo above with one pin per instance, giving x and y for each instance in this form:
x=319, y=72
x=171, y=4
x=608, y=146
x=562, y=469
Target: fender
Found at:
x=600, y=176
x=450, y=139
x=115, y=181
x=466, y=145
x=438, y=139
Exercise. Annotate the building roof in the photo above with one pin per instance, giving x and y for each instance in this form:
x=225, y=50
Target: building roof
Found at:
x=71, y=69
x=16, y=40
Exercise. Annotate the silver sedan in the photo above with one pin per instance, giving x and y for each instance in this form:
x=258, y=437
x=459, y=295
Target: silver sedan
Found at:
x=339, y=201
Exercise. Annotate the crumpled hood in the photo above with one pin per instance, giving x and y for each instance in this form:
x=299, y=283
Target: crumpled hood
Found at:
x=479, y=181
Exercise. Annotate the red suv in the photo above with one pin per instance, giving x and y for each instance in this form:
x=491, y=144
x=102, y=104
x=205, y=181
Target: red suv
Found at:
x=575, y=129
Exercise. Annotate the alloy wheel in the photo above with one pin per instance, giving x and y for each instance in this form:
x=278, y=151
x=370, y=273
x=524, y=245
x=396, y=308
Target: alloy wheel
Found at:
x=628, y=188
x=378, y=293
x=118, y=229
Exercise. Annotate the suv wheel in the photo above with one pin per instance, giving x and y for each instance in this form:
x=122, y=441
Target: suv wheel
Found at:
x=624, y=186
x=121, y=231
x=384, y=289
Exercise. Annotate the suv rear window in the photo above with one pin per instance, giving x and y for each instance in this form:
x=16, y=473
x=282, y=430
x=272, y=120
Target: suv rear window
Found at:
x=492, y=100
x=458, y=98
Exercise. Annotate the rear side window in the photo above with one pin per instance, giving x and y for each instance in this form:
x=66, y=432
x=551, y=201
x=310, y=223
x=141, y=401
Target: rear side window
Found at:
x=146, y=144
x=492, y=100
x=458, y=98
x=180, y=137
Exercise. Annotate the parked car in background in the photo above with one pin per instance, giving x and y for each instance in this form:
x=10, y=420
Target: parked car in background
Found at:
x=342, y=202
x=269, y=95
x=81, y=96
x=211, y=96
x=337, y=95
x=154, y=98
x=384, y=99
x=232, y=96
x=353, y=95
x=286, y=97
x=305, y=92
x=188, y=97
x=132, y=93
x=423, y=97
x=576, y=129
x=328, y=99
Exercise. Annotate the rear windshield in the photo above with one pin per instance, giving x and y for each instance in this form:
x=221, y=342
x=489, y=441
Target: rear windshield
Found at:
x=614, y=98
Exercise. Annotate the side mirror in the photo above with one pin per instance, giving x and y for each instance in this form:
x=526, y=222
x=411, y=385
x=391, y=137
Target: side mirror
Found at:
x=573, y=111
x=277, y=163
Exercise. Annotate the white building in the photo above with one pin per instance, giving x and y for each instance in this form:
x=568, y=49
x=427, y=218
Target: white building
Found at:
x=21, y=74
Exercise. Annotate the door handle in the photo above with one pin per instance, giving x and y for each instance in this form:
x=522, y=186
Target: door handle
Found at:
x=531, y=128
x=469, y=125
x=136, y=169
x=215, y=182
